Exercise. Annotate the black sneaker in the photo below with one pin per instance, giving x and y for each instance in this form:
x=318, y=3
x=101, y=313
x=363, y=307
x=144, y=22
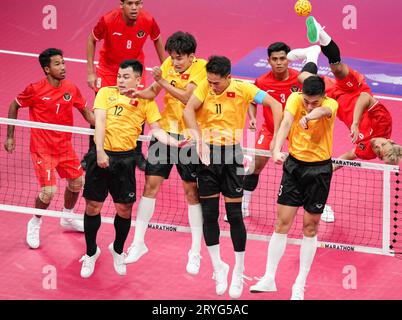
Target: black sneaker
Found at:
x=140, y=161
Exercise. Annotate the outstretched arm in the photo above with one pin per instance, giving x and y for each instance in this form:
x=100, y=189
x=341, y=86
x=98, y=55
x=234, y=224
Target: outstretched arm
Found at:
x=191, y=122
x=162, y=135
x=350, y=155
x=282, y=134
x=364, y=101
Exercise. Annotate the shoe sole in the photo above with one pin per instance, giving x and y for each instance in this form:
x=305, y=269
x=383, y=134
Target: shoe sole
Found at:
x=312, y=34
x=127, y=261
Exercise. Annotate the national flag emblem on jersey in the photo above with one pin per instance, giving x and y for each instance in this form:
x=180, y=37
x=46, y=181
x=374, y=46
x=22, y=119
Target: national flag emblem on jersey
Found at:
x=67, y=97
x=140, y=34
x=294, y=89
x=134, y=102
x=230, y=94
x=185, y=76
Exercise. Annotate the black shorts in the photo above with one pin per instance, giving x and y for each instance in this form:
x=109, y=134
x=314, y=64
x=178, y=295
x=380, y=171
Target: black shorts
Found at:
x=225, y=173
x=162, y=157
x=118, y=179
x=305, y=184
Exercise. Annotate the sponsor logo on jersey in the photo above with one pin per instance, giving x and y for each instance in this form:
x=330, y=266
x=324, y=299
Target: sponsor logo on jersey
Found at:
x=117, y=34
x=45, y=98
x=140, y=34
x=67, y=97
x=362, y=146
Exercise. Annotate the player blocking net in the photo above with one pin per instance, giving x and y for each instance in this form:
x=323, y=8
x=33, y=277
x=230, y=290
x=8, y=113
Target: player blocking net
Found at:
x=364, y=197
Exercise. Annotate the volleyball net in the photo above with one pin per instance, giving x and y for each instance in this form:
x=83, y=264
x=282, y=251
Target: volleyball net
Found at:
x=364, y=197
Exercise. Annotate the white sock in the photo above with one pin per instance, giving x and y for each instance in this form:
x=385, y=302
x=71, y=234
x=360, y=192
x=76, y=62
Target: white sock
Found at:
x=195, y=220
x=312, y=55
x=324, y=38
x=214, y=253
x=36, y=219
x=276, y=248
x=239, y=265
x=145, y=210
x=307, y=253
x=246, y=199
x=68, y=210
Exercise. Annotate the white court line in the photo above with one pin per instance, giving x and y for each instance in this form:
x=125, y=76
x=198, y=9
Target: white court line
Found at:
x=26, y=54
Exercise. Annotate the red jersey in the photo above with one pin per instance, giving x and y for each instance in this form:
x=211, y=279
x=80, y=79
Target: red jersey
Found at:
x=121, y=41
x=51, y=105
x=375, y=121
x=279, y=90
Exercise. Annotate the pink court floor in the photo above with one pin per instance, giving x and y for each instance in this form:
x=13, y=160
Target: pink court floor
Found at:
x=231, y=28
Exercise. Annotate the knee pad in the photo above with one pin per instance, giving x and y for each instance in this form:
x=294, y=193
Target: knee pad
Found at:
x=47, y=193
x=234, y=213
x=251, y=182
x=210, y=209
x=75, y=185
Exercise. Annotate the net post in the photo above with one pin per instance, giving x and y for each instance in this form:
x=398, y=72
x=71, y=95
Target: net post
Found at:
x=386, y=216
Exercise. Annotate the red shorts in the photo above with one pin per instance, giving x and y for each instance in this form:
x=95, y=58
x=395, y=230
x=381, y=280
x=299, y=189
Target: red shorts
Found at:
x=106, y=79
x=264, y=139
x=380, y=127
x=67, y=165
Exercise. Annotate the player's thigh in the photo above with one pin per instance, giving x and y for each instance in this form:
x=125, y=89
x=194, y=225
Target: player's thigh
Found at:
x=158, y=160
x=122, y=184
x=96, y=180
x=208, y=179
x=44, y=166
x=69, y=166
x=316, y=182
x=290, y=193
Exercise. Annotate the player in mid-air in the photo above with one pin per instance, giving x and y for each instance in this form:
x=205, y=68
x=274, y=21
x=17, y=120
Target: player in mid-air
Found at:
x=280, y=82
x=111, y=168
x=368, y=120
x=51, y=100
x=179, y=76
x=215, y=116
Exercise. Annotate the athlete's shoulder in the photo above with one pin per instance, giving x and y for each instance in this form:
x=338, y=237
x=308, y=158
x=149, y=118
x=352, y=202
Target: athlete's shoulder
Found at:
x=145, y=16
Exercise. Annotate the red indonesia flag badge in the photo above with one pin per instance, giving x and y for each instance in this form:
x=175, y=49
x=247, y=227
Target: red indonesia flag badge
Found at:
x=134, y=102
x=231, y=94
x=185, y=76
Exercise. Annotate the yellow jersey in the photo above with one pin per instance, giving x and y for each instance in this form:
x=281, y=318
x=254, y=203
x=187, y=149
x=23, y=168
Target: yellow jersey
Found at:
x=222, y=117
x=315, y=143
x=172, y=115
x=124, y=118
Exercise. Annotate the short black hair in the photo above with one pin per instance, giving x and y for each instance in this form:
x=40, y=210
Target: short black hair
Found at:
x=134, y=64
x=181, y=43
x=219, y=65
x=314, y=86
x=44, y=57
x=276, y=47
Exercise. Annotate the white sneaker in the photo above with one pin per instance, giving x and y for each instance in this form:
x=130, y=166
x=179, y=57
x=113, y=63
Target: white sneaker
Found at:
x=33, y=229
x=236, y=286
x=193, y=264
x=221, y=279
x=328, y=214
x=264, y=284
x=303, y=53
x=313, y=29
x=297, y=292
x=72, y=224
x=88, y=265
x=118, y=261
x=135, y=252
